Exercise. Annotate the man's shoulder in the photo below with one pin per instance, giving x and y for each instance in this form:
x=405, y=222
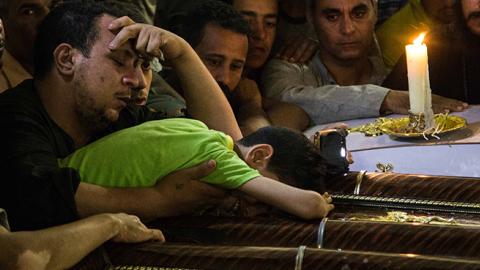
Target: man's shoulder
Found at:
x=280, y=64
x=277, y=69
x=20, y=98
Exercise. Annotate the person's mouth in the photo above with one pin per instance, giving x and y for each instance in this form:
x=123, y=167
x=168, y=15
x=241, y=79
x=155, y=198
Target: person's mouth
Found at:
x=141, y=101
x=349, y=45
x=258, y=50
x=123, y=101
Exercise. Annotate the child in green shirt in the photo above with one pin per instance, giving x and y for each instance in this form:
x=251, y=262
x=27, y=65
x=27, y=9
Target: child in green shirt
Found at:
x=256, y=165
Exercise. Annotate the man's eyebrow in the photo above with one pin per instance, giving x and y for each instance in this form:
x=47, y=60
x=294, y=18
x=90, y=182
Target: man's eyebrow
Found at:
x=327, y=11
x=271, y=16
x=29, y=5
x=248, y=13
x=215, y=55
x=360, y=7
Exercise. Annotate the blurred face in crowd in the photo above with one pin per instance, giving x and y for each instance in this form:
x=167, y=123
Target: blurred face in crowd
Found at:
x=441, y=10
x=21, y=22
x=261, y=15
x=224, y=53
x=343, y=27
x=105, y=81
x=471, y=13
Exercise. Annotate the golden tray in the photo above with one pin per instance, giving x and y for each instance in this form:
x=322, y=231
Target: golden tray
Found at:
x=396, y=126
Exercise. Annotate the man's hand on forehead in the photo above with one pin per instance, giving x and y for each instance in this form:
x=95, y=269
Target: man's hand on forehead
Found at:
x=148, y=41
x=145, y=41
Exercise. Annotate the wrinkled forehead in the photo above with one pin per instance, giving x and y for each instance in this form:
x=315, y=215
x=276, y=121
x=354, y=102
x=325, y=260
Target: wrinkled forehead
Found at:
x=105, y=36
x=343, y=4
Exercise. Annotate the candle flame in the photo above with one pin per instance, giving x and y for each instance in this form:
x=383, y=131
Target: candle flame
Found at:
x=419, y=40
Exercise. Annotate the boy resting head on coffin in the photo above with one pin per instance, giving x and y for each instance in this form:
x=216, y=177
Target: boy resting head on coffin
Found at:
x=273, y=165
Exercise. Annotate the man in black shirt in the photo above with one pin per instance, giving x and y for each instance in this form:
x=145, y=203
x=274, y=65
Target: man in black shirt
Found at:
x=88, y=61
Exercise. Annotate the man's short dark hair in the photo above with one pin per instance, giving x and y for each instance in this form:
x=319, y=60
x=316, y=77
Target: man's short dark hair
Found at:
x=295, y=159
x=74, y=22
x=214, y=12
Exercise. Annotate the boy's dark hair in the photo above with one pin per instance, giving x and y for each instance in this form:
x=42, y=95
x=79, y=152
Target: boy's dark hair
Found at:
x=295, y=159
x=74, y=22
x=214, y=12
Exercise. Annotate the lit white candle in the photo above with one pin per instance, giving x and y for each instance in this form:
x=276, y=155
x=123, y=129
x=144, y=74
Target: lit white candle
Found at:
x=418, y=80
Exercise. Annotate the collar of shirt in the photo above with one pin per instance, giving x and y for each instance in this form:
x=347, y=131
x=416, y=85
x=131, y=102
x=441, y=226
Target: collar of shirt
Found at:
x=12, y=72
x=379, y=72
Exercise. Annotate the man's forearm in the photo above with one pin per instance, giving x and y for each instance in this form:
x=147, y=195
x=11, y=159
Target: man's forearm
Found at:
x=205, y=100
x=177, y=193
x=58, y=247
x=147, y=203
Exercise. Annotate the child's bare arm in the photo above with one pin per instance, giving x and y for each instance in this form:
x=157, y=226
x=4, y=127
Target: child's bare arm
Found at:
x=306, y=204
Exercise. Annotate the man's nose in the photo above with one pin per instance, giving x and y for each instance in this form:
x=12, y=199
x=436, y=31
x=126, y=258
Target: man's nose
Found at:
x=347, y=26
x=450, y=3
x=258, y=30
x=135, y=79
x=223, y=75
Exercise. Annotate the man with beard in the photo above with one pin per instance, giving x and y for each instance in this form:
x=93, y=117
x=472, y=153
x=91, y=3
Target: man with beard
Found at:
x=219, y=35
x=89, y=59
x=342, y=80
x=251, y=109
x=453, y=57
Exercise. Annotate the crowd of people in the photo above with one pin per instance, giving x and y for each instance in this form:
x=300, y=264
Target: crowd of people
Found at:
x=87, y=87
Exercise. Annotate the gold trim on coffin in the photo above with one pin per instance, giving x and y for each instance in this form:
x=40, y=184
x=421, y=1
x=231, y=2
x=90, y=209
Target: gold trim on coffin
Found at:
x=443, y=124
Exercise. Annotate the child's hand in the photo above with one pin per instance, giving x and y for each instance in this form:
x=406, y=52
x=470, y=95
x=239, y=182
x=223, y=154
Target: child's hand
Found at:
x=328, y=206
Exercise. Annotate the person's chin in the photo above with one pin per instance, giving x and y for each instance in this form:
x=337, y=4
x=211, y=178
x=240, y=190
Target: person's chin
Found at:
x=112, y=115
x=350, y=53
x=256, y=61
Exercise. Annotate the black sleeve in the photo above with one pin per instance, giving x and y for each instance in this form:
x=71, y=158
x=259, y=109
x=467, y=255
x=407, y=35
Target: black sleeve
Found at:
x=34, y=191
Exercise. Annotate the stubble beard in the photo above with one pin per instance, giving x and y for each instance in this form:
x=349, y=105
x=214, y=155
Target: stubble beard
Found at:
x=92, y=119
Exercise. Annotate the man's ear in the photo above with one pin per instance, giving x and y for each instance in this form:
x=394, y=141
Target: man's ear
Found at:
x=259, y=155
x=64, y=59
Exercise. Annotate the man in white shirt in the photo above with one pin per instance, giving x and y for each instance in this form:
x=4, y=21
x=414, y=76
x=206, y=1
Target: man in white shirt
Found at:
x=341, y=81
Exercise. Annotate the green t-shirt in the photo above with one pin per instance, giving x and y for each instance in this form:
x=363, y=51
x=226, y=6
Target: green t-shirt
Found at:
x=142, y=155
x=401, y=29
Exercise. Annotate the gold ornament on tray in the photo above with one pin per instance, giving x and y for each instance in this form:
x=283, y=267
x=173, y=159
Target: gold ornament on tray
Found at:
x=421, y=120
x=403, y=127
